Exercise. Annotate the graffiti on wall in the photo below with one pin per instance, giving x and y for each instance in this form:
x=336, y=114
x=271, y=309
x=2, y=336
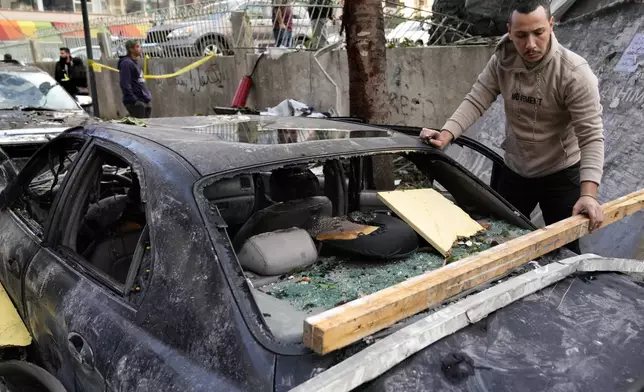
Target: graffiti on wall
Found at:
x=200, y=79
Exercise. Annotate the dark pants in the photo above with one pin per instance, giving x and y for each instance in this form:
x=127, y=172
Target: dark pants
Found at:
x=139, y=109
x=282, y=37
x=556, y=194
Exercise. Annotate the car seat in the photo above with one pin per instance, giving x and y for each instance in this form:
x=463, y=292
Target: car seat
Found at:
x=114, y=255
x=294, y=190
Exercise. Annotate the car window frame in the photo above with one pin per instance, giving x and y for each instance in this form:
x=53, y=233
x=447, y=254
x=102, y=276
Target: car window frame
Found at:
x=60, y=223
x=15, y=189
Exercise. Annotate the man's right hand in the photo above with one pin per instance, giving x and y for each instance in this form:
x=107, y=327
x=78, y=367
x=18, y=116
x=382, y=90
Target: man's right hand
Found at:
x=438, y=139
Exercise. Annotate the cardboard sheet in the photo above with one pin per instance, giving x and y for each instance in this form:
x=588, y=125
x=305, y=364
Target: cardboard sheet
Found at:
x=13, y=332
x=433, y=216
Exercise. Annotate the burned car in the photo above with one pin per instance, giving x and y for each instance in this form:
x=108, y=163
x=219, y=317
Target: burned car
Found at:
x=186, y=254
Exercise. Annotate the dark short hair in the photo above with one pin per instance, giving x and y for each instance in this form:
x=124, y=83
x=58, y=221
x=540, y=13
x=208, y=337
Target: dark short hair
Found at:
x=528, y=6
x=64, y=49
x=129, y=44
x=8, y=57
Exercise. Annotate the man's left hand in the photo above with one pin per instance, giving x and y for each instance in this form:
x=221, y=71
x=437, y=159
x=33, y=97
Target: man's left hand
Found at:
x=589, y=206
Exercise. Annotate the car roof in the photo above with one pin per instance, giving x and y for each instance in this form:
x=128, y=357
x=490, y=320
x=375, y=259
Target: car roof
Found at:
x=13, y=67
x=217, y=144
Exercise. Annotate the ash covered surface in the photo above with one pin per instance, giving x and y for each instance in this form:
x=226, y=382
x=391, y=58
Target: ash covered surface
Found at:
x=21, y=119
x=334, y=280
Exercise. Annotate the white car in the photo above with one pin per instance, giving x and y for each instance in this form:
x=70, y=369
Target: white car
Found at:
x=414, y=31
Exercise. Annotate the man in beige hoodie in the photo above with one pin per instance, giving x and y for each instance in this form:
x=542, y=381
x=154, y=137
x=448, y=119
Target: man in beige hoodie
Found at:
x=554, y=145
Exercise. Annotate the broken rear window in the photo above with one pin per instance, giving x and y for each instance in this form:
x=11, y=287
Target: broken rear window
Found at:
x=312, y=237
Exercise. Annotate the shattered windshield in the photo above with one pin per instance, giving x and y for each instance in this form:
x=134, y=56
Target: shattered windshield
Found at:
x=33, y=90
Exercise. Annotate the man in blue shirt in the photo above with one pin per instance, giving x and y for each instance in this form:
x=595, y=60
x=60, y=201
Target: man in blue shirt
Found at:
x=136, y=96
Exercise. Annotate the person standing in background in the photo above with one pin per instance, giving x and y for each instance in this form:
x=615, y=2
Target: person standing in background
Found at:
x=136, y=96
x=282, y=16
x=320, y=11
x=63, y=72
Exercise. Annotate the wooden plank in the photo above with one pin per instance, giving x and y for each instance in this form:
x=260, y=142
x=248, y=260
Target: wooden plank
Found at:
x=383, y=355
x=432, y=215
x=343, y=325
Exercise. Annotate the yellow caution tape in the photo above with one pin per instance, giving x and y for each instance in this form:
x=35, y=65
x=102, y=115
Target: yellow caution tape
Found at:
x=97, y=67
x=145, y=64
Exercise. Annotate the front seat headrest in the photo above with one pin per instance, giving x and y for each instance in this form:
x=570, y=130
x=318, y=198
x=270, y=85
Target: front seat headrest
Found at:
x=278, y=252
x=300, y=213
x=293, y=183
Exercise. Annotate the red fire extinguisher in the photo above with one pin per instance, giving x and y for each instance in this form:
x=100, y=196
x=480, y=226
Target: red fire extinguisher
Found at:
x=244, y=87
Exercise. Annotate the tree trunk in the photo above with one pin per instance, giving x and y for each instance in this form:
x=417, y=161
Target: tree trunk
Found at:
x=368, y=93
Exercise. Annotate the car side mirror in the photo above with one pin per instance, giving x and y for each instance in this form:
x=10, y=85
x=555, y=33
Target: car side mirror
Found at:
x=45, y=87
x=84, y=101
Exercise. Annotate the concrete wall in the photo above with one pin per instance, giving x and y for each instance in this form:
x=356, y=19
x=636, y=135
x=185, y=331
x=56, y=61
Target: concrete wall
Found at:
x=425, y=84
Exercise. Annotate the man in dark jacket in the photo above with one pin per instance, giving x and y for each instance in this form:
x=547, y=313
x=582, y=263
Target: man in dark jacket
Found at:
x=63, y=72
x=78, y=75
x=136, y=96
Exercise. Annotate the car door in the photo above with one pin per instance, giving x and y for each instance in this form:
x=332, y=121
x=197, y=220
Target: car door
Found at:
x=79, y=294
x=26, y=205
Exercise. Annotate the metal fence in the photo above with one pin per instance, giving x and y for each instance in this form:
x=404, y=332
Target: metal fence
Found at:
x=216, y=27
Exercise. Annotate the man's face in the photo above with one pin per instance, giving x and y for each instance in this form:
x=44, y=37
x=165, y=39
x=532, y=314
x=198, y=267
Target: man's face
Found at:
x=64, y=54
x=136, y=50
x=531, y=34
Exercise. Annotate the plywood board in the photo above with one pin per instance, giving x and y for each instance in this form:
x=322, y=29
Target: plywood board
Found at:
x=13, y=332
x=432, y=215
x=346, y=324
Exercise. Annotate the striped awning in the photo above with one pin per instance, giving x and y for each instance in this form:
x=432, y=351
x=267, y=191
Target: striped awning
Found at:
x=10, y=30
x=130, y=31
x=19, y=29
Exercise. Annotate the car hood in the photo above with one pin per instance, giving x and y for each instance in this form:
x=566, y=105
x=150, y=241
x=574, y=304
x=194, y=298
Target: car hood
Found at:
x=18, y=126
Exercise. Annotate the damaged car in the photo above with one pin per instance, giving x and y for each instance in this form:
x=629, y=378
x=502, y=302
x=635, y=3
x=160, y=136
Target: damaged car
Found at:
x=34, y=108
x=186, y=254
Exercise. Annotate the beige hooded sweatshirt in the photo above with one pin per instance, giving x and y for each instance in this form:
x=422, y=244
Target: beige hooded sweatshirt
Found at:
x=553, y=111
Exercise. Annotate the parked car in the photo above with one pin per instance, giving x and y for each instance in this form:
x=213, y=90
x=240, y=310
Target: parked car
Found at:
x=118, y=246
x=127, y=278
x=81, y=52
x=34, y=108
x=412, y=32
x=214, y=34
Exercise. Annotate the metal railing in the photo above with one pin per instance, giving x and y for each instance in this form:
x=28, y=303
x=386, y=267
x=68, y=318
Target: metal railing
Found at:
x=202, y=28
